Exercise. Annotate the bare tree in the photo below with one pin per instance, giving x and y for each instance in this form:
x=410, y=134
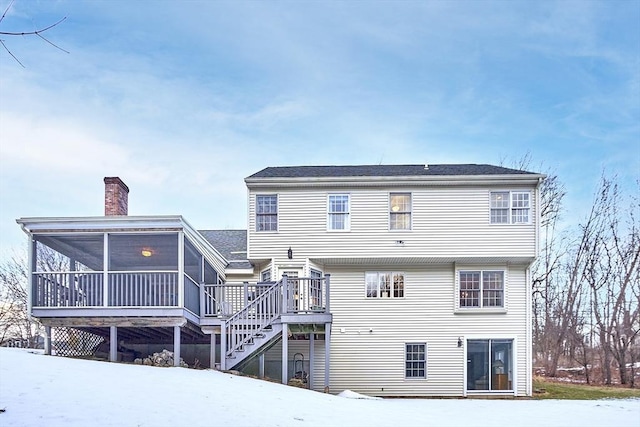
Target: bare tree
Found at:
x=612, y=274
x=37, y=32
x=14, y=319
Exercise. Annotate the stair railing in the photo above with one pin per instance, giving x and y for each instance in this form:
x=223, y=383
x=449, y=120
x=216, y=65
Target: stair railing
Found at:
x=251, y=321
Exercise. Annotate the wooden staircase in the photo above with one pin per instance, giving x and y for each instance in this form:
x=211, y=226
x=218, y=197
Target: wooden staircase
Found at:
x=253, y=327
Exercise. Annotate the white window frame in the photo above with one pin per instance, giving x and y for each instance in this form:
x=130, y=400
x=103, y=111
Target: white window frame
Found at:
x=407, y=361
x=264, y=273
x=482, y=290
x=259, y=215
x=346, y=214
x=389, y=291
x=400, y=211
x=516, y=207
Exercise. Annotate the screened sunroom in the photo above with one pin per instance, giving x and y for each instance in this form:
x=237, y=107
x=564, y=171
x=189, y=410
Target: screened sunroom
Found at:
x=122, y=266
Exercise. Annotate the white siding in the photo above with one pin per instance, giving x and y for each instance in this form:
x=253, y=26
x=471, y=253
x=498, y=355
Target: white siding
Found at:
x=369, y=335
x=447, y=222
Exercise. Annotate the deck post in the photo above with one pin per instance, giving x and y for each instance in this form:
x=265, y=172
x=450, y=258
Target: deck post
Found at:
x=327, y=353
x=105, y=272
x=47, y=340
x=180, y=269
x=212, y=352
x=201, y=296
x=113, y=344
x=285, y=353
x=31, y=283
x=327, y=293
x=312, y=357
x=223, y=347
x=285, y=297
x=261, y=365
x=245, y=287
x=176, y=346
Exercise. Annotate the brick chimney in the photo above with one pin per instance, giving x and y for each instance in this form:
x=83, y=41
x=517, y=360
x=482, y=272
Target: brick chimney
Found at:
x=116, y=196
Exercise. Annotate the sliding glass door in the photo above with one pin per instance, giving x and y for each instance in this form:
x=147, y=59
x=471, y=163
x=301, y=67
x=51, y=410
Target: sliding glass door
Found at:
x=489, y=365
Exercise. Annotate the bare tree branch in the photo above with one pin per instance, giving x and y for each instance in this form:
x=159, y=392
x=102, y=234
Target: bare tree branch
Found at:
x=37, y=33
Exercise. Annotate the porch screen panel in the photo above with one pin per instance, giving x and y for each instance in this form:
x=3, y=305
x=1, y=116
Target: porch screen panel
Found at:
x=68, y=270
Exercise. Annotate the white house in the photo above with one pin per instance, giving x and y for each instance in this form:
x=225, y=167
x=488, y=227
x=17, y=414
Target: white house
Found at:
x=389, y=280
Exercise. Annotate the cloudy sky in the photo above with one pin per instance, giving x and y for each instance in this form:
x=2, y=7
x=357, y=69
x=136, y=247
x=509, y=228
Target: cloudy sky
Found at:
x=184, y=99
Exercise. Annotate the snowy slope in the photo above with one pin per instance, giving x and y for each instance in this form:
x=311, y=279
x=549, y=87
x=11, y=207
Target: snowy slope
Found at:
x=54, y=391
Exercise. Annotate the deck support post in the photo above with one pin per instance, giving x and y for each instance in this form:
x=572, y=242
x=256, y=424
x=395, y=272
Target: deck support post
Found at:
x=212, y=352
x=261, y=365
x=327, y=354
x=223, y=347
x=176, y=346
x=113, y=344
x=47, y=340
x=312, y=358
x=285, y=353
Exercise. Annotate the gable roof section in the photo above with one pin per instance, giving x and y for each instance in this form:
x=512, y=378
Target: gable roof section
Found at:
x=232, y=244
x=385, y=171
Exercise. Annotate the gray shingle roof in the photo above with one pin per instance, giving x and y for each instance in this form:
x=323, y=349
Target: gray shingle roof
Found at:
x=383, y=170
x=232, y=244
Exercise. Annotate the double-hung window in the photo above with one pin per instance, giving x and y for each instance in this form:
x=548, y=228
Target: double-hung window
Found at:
x=510, y=207
x=400, y=211
x=338, y=212
x=415, y=363
x=267, y=212
x=384, y=284
x=481, y=289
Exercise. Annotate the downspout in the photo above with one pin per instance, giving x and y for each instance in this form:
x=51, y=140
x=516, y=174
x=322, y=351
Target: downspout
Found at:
x=529, y=335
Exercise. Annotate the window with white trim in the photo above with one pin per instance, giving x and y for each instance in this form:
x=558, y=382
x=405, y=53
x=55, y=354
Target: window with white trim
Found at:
x=510, y=207
x=415, y=360
x=265, y=276
x=267, y=212
x=338, y=212
x=481, y=289
x=384, y=284
x=400, y=211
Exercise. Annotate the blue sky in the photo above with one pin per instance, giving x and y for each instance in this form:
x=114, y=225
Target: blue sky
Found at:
x=184, y=99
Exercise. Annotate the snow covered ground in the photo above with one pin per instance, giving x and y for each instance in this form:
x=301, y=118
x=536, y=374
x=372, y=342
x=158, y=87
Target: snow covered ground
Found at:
x=40, y=390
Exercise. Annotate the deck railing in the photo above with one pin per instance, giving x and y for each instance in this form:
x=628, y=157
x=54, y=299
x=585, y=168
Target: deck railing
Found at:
x=306, y=294
x=68, y=289
x=227, y=299
x=86, y=289
x=143, y=289
x=161, y=289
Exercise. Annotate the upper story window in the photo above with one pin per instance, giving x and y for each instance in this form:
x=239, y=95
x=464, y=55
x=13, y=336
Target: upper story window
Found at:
x=510, y=207
x=267, y=212
x=481, y=289
x=338, y=212
x=384, y=284
x=400, y=211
